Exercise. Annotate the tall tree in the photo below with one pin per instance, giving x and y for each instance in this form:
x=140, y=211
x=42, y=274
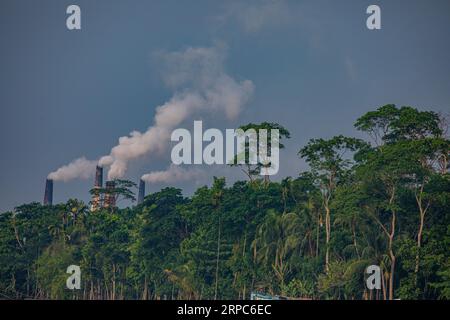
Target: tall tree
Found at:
x=252, y=170
x=415, y=146
x=329, y=167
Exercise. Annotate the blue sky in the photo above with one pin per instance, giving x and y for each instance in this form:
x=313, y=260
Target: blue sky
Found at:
x=314, y=67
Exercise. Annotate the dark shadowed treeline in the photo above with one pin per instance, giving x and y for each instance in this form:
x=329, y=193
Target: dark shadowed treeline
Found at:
x=384, y=201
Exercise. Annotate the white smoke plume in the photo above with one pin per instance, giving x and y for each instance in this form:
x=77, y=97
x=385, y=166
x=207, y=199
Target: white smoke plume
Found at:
x=200, y=84
x=80, y=168
x=173, y=174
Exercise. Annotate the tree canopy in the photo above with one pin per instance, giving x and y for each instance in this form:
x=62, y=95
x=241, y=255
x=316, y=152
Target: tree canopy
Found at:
x=382, y=201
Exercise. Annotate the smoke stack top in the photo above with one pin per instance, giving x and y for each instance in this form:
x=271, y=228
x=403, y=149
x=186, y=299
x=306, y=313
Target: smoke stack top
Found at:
x=48, y=196
x=98, y=177
x=141, y=193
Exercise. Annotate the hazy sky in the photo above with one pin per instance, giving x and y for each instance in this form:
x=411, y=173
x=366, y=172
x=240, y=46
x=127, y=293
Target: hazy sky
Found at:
x=313, y=65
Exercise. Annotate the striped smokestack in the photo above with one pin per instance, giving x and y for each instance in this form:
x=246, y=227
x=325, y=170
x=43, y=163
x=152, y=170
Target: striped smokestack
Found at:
x=98, y=184
x=110, y=196
x=48, y=196
x=141, y=193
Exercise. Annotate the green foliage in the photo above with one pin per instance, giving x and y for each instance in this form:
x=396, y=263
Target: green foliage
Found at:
x=123, y=190
x=51, y=268
x=243, y=159
x=359, y=204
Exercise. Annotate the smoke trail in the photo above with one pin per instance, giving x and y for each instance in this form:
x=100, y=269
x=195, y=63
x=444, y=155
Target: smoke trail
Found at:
x=79, y=168
x=173, y=174
x=201, y=85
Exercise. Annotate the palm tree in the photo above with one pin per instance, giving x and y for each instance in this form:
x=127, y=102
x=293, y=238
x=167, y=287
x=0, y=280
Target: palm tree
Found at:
x=277, y=240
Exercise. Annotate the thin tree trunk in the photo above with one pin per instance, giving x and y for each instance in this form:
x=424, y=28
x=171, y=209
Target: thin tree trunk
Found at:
x=91, y=291
x=392, y=257
x=145, y=290
x=354, y=240
x=113, y=289
x=390, y=235
x=422, y=213
x=419, y=242
x=217, y=263
x=327, y=241
x=243, y=258
x=318, y=235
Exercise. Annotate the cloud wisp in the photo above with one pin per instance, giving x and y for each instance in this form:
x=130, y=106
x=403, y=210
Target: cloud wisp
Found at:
x=254, y=16
x=174, y=174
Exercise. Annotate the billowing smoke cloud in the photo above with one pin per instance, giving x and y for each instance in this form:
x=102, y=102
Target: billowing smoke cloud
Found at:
x=200, y=84
x=80, y=168
x=173, y=174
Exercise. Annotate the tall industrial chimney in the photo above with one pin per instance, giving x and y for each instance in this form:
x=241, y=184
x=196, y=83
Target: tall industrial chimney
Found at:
x=98, y=177
x=110, y=197
x=48, y=196
x=141, y=193
x=98, y=184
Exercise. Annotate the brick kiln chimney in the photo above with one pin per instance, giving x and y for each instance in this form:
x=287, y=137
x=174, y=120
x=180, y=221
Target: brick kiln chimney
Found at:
x=110, y=197
x=98, y=184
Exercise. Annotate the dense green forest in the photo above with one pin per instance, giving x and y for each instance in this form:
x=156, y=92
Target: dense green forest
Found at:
x=380, y=201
